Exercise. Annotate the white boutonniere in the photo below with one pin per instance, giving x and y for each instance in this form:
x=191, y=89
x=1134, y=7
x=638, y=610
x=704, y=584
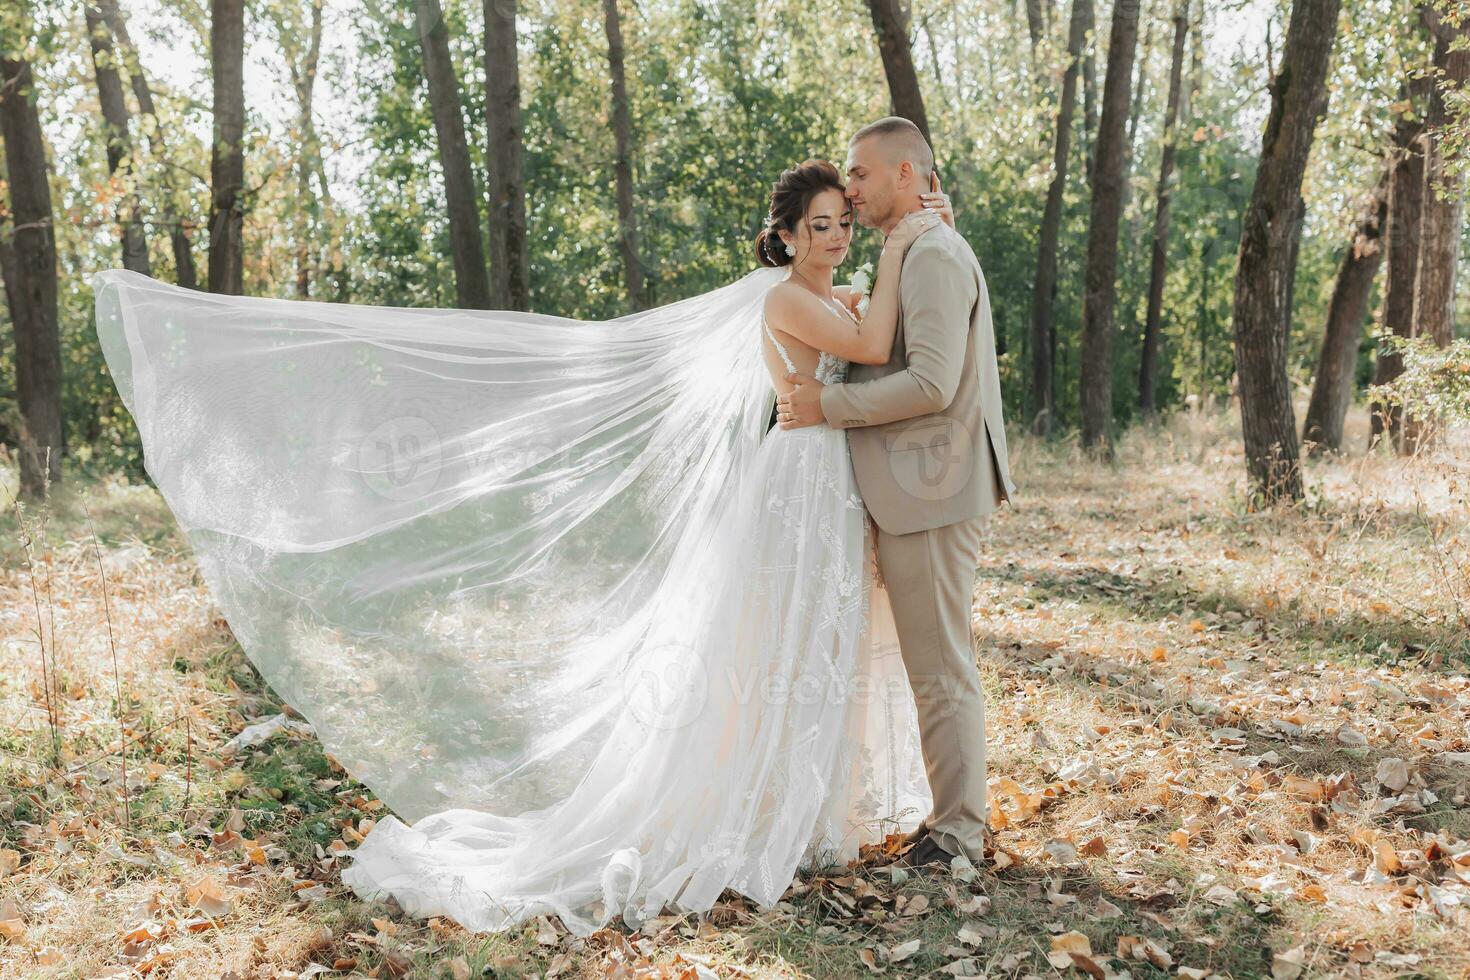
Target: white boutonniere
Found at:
x=862, y=281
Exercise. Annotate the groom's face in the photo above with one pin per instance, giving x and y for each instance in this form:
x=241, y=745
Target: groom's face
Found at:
x=872, y=182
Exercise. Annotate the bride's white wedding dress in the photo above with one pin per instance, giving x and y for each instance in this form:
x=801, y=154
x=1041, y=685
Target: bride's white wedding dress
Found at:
x=669, y=671
x=779, y=734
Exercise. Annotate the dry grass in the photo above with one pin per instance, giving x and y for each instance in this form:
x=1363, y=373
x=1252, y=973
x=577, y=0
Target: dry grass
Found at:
x=1194, y=710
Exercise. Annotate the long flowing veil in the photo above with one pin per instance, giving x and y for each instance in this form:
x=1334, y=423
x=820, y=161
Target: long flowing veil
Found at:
x=441, y=534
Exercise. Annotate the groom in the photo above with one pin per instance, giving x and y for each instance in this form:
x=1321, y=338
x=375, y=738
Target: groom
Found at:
x=928, y=449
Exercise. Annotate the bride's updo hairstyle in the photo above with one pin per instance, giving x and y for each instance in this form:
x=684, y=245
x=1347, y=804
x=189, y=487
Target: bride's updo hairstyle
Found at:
x=791, y=195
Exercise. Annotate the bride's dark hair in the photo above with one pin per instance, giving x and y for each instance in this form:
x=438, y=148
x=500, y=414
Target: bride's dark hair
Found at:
x=791, y=195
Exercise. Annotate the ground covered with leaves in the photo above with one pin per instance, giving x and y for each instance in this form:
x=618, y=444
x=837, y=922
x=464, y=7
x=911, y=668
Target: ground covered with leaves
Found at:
x=1222, y=741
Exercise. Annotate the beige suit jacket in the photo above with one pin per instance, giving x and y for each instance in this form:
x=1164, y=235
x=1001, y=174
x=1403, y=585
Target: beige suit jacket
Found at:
x=925, y=429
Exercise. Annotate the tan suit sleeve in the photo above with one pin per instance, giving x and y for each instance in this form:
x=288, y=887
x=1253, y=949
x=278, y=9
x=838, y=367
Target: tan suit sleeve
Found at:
x=937, y=294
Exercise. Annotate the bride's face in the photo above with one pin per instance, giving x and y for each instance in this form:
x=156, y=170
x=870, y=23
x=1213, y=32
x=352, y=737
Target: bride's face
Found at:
x=823, y=237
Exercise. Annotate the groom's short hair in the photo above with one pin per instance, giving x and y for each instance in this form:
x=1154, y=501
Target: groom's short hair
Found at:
x=903, y=141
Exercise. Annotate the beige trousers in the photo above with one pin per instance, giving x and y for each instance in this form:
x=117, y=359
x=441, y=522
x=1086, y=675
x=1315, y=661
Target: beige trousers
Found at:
x=930, y=577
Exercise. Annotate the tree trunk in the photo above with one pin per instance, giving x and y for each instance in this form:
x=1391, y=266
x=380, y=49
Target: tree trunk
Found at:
x=1196, y=62
x=1045, y=289
x=928, y=27
x=891, y=23
x=301, y=64
x=1148, y=366
x=184, y=272
x=623, y=163
x=1089, y=89
x=509, y=253
x=1102, y=234
x=1332, y=389
x=1405, y=206
x=1034, y=26
x=1136, y=108
x=1443, y=208
x=471, y=273
x=116, y=126
x=28, y=263
x=308, y=209
x=1270, y=231
x=227, y=168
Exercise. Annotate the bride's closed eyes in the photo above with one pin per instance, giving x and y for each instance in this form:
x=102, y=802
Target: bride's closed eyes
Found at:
x=823, y=222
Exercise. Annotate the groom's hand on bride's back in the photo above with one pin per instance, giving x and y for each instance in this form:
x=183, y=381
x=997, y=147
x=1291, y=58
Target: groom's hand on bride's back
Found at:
x=801, y=406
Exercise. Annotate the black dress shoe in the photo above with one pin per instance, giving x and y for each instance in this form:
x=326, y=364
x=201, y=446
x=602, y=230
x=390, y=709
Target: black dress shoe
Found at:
x=924, y=855
x=918, y=833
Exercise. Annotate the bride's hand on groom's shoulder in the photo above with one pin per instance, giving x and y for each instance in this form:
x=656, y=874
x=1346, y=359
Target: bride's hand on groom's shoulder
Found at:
x=910, y=227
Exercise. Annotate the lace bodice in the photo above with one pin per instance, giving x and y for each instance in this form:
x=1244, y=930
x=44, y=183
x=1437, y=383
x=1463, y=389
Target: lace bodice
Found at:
x=831, y=369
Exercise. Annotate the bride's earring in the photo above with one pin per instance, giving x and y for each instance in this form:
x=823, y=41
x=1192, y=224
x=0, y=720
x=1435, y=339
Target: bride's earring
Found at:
x=791, y=250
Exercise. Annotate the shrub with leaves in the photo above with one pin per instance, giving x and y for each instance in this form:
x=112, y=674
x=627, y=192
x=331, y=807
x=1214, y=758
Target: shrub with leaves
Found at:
x=1435, y=382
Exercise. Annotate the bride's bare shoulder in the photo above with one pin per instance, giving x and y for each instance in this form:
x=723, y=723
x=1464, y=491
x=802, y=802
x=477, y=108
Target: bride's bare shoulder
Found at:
x=784, y=304
x=785, y=291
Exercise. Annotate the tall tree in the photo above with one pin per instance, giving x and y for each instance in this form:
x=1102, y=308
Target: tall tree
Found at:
x=1037, y=22
x=1140, y=82
x=1332, y=389
x=1270, y=232
x=116, y=127
x=302, y=60
x=1405, y=205
x=1444, y=202
x=1044, y=293
x=623, y=161
x=227, y=167
x=471, y=274
x=1102, y=233
x=1196, y=80
x=184, y=272
x=1089, y=88
x=891, y=22
x=509, y=254
x=28, y=263
x=1034, y=26
x=1130, y=143
x=1148, y=364
x=927, y=24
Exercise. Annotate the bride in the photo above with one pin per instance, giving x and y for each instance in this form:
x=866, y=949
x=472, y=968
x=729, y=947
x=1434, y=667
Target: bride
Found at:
x=549, y=587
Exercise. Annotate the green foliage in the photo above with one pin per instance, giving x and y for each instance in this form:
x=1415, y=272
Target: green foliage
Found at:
x=1435, y=382
x=724, y=94
x=398, y=239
